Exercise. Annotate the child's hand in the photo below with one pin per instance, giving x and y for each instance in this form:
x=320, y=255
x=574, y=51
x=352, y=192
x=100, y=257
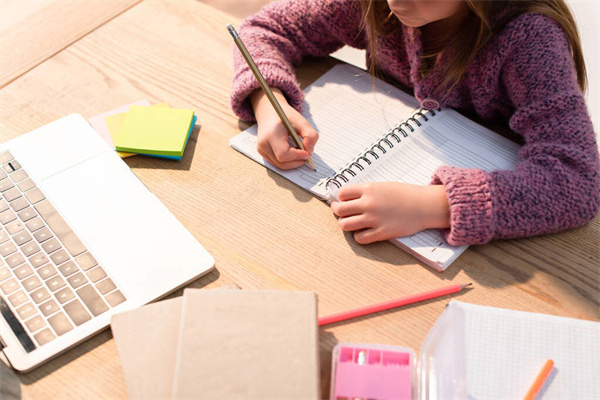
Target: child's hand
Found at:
x=273, y=142
x=386, y=210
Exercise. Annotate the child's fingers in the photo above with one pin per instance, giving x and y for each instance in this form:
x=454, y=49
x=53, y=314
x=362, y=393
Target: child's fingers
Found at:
x=270, y=157
x=367, y=236
x=283, y=152
x=309, y=138
x=350, y=192
x=353, y=223
x=346, y=208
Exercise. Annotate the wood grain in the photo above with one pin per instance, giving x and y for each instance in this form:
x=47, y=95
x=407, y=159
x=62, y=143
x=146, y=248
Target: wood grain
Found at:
x=263, y=231
x=33, y=31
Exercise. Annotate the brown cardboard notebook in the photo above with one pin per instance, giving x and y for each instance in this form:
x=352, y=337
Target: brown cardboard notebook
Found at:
x=146, y=340
x=247, y=344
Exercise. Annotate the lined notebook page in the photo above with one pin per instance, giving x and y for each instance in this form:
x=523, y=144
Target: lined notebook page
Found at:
x=349, y=113
x=506, y=349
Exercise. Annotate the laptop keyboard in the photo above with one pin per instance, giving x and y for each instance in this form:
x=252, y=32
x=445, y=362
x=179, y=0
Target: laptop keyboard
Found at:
x=50, y=283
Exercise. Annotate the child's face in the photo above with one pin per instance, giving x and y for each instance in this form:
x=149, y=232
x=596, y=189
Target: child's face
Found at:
x=416, y=13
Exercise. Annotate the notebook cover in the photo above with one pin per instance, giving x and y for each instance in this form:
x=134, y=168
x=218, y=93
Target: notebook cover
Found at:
x=155, y=130
x=248, y=345
x=146, y=340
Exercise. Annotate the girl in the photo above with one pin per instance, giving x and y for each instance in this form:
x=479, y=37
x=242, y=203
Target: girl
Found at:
x=518, y=62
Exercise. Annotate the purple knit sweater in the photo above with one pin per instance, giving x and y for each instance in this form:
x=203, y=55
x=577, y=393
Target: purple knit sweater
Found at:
x=524, y=76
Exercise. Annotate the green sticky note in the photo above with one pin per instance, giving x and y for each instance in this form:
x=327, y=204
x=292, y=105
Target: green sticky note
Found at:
x=155, y=130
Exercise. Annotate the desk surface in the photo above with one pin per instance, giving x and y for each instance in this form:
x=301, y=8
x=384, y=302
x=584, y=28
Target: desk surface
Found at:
x=180, y=52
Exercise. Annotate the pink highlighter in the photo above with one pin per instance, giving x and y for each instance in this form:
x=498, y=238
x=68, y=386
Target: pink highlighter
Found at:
x=372, y=372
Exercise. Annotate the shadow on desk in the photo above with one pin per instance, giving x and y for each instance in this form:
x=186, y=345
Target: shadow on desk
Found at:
x=10, y=386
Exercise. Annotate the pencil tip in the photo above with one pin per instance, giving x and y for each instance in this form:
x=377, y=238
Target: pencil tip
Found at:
x=466, y=286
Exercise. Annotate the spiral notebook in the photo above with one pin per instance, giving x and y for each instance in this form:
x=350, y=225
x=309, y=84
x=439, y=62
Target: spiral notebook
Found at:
x=372, y=131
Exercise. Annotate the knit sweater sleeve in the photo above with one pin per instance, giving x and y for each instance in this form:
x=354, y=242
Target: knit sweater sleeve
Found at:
x=556, y=185
x=281, y=34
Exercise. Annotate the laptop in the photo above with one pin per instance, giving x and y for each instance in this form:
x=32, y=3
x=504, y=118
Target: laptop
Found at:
x=81, y=239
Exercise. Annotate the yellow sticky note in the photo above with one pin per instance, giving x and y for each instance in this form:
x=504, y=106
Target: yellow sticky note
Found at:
x=155, y=130
x=115, y=123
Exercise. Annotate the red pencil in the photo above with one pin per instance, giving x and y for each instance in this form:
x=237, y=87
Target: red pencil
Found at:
x=330, y=319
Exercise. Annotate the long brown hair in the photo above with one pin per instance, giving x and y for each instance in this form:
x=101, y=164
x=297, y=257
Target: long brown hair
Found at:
x=474, y=32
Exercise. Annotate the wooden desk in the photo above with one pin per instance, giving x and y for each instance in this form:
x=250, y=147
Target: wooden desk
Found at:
x=264, y=232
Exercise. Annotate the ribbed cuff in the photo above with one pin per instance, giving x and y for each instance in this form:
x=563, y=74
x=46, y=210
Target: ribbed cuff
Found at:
x=469, y=198
x=276, y=76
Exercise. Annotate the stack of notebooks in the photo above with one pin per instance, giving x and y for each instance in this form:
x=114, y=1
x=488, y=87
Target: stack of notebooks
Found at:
x=221, y=344
x=139, y=128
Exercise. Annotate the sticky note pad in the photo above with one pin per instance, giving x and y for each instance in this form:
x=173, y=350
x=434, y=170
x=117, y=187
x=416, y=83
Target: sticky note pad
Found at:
x=114, y=123
x=155, y=130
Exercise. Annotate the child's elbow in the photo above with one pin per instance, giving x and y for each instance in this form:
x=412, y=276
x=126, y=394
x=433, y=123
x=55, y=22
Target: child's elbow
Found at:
x=589, y=203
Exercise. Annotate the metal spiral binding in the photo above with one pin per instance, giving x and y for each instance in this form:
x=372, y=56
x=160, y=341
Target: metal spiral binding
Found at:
x=396, y=133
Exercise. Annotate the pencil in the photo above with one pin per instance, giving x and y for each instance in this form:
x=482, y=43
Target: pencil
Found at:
x=539, y=381
x=267, y=90
x=358, y=312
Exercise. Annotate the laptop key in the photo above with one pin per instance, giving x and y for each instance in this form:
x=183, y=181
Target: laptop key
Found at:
x=19, y=175
x=42, y=235
x=92, y=300
x=18, y=298
x=115, y=298
x=40, y=295
x=22, y=237
x=77, y=280
x=96, y=274
x=35, y=324
x=32, y=283
x=26, y=214
x=7, y=216
x=77, y=312
x=47, y=271
x=51, y=245
x=60, y=323
x=44, y=337
x=15, y=227
x=68, y=268
x=4, y=273
x=106, y=286
x=27, y=310
x=35, y=196
x=23, y=271
x=64, y=295
x=86, y=261
x=15, y=260
x=19, y=204
x=3, y=205
x=9, y=286
x=6, y=184
x=5, y=157
x=4, y=236
x=11, y=194
x=7, y=249
x=49, y=307
x=34, y=224
x=26, y=185
x=59, y=257
x=55, y=283
x=60, y=227
x=38, y=259
x=30, y=248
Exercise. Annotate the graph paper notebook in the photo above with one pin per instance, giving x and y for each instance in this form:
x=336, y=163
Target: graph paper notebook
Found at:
x=480, y=352
x=380, y=134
